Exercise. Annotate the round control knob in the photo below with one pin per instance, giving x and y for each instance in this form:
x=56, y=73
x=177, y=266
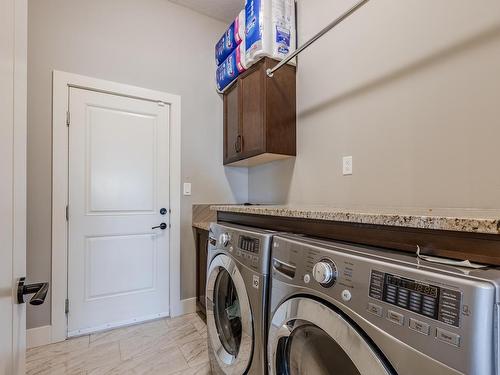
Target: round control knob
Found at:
x=224, y=239
x=325, y=272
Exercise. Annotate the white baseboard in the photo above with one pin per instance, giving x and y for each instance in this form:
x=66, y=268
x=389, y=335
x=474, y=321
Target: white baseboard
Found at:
x=38, y=336
x=187, y=306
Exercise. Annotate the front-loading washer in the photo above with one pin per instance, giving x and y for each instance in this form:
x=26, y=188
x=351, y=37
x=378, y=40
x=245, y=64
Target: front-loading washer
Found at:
x=236, y=299
x=338, y=308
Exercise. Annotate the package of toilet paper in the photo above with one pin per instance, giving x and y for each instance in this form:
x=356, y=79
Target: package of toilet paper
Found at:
x=231, y=68
x=233, y=36
x=270, y=29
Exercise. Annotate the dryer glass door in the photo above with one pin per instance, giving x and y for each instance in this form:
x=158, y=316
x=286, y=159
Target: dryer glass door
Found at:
x=307, y=337
x=229, y=319
x=310, y=350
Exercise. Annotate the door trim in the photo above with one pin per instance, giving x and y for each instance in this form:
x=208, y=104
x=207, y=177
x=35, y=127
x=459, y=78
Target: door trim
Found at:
x=19, y=173
x=62, y=81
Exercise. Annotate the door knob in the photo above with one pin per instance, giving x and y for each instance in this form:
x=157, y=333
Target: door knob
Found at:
x=162, y=226
x=39, y=289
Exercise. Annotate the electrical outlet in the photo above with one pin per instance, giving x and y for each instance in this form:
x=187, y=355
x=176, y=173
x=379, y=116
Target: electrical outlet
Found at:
x=187, y=188
x=347, y=165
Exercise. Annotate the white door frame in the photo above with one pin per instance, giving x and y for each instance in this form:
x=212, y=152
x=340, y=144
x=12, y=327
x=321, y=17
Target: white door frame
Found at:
x=13, y=121
x=62, y=81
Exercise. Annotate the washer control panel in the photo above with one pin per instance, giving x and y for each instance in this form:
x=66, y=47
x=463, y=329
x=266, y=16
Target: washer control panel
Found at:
x=248, y=246
x=422, y=298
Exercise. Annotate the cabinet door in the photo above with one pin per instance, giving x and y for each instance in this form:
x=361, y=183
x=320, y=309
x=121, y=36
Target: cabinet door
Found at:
x=252, y=113
x=232, y=141
x=202, y=246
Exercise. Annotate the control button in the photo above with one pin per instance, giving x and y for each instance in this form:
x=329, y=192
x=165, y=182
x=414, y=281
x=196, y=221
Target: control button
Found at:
x=376, y=284
x=307, y=278
x=255, y=259
x=415, y=302
x=231, y=249
x=239, y=253
x=403, y=295
x=419, y=326
x=395, y=317
x=447, y=337
x=346, y=295
x=375, y=309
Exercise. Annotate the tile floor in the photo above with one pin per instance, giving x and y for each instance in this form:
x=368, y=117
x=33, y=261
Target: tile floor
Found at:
x=168, y=347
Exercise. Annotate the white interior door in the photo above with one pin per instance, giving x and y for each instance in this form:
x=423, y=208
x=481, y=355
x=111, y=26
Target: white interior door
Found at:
x=13, y=42
x=118, y=266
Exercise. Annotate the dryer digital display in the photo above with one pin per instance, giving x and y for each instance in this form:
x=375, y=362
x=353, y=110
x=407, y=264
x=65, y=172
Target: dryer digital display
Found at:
x=425, y=289
x=422, y=298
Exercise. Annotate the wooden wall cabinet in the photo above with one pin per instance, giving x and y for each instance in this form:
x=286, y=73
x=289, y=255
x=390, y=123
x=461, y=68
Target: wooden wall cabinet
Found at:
x=260, y=116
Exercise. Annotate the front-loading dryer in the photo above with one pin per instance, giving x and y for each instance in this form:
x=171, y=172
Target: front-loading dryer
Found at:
x=337, y=308
x=236, y=299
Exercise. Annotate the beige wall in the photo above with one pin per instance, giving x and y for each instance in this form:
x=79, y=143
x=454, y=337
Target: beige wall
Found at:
x=148, y=43
x=410, y=89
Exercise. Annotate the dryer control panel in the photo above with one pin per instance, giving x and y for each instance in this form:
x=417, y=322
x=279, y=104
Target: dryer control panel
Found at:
x=422, y=298
x=440, y=311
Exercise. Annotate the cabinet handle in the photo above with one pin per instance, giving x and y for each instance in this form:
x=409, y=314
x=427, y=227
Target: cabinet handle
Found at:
x=238, y=144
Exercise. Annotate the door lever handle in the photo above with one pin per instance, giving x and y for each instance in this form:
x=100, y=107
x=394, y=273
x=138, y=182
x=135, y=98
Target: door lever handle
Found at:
x=39, y=289
x=162, y=226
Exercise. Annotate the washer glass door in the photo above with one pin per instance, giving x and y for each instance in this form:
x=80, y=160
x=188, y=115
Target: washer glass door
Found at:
x=227, y=312
x=307, y=337
x=229, y=318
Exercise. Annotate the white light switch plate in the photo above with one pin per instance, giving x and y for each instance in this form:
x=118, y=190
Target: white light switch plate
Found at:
x=347, y=165
x=187, y=188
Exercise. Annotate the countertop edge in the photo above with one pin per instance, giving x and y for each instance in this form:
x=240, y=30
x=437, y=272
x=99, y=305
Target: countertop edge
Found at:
x=447, y=223
x=205, y=225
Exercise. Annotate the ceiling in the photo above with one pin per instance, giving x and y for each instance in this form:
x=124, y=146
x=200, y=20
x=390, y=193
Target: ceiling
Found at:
x=223, y=10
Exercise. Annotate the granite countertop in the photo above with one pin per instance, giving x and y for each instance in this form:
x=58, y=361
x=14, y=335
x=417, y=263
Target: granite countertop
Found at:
x=202, y=216
x=461, y=220
x=205, y=225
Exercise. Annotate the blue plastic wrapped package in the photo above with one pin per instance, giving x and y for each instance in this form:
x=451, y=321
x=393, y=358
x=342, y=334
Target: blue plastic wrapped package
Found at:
x=233, y=36
x=270, y=29
x=231, y=68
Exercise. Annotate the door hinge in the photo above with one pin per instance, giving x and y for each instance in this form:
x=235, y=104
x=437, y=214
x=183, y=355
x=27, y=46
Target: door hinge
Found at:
x=67, y=118
x=169, y=225
x=67, y=213
x=66, y=306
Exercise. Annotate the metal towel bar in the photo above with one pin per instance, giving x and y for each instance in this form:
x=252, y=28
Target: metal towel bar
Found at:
x=338, y=20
